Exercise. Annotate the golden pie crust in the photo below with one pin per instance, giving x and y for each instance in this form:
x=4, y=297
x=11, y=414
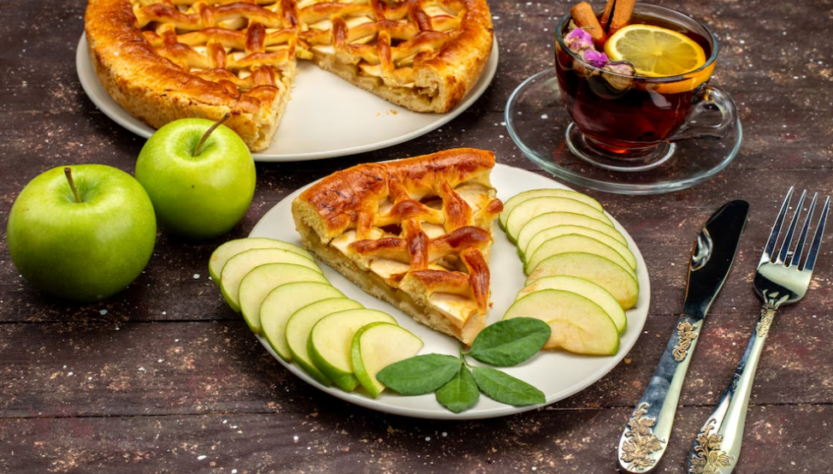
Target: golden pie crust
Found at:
x=416, y=233
x=163, y=60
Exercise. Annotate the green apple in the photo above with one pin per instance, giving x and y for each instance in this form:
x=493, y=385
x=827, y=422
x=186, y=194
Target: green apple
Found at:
x=82, y=233
x=586, y=288
x=282, y=302
x=578, y=324
x=300, y=324
x=330, y=343
x=201, y=180
x=527, y=210
x=376, y=346
x=233, y=247
x=535, y=193
x=257, y=284
x=575, y=243
x=547, y=220
x=611, y=276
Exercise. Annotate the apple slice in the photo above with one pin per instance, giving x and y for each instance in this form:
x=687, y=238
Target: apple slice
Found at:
x=262, y=280
x=526, y=210
x=377, y=346
x=331, y=339
x=574, y=243
x=535, y=193
x=557, y=231
x=578, y=324
x=300, y=324
x=601, y=271
x=552, y=219
x=282, y=302
x=241, y=264
x=586, y=288
x=233, y=247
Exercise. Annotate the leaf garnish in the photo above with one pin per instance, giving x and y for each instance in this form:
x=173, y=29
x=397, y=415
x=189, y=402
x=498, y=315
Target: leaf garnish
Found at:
x=420, y=374
x=504, y=388
x=460, y=393
x=510, y=342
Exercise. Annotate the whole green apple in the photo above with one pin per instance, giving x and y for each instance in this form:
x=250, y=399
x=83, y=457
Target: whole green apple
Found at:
x=82, y=236
x=200, y=187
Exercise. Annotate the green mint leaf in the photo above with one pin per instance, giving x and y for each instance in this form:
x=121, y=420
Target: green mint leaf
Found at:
x=510, y=342
x=460, y=393
x=506, y=389
x=420, y=374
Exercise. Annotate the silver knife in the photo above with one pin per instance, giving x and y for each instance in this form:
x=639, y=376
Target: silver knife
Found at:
x=646, y=436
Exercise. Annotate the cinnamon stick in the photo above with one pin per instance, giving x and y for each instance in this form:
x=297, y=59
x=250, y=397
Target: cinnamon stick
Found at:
x=585, y=19
x=622, y=12
x=606, y=15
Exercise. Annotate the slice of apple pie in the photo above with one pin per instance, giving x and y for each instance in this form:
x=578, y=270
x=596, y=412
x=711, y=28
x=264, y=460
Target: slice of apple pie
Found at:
x=415, y=233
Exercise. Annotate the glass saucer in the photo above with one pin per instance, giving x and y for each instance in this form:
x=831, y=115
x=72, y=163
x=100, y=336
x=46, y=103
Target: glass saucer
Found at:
x=540, y=125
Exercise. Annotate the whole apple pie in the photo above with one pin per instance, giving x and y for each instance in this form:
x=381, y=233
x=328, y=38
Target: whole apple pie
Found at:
x=164, y=60
x=416, y=233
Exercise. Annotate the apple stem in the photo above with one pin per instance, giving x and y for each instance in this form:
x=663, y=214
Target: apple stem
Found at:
x=209, y=131
x=68, y=173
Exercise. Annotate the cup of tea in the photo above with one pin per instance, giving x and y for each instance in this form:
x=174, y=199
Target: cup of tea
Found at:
x=626, y=117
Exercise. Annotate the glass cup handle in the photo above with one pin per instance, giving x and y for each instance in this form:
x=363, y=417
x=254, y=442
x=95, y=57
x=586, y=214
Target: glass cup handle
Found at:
x=708, y=98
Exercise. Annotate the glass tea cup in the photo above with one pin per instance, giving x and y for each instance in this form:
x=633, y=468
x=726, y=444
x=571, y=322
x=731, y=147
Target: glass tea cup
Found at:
x=629, y=123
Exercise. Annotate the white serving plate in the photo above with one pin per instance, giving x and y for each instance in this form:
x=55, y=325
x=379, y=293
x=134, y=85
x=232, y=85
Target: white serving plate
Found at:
x=327, y=116
x=557, y=374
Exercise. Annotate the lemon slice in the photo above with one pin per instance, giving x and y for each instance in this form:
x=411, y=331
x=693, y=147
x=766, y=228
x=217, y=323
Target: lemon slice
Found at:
x=655, y=51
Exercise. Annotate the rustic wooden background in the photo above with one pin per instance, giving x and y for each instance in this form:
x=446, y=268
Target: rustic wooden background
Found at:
x=165, y=378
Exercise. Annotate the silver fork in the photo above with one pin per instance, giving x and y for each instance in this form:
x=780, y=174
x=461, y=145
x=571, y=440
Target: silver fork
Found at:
x=781, y=279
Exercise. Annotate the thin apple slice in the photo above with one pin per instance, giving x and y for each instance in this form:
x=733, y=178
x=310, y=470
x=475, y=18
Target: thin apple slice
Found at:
x=233, y=247
x=586, y=288
x=531, y=208
x=282, y=302
x=578, y=324
x=611, y=276
x=300, y=324
x=330, y=343
x=536, y=193
x=262, y=280
x=376, y=346
x=240, y=265
x=574, y=243
x=552, y=219
x=558, y=231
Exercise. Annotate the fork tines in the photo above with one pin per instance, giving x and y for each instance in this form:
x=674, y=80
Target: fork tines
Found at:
x=784, y=255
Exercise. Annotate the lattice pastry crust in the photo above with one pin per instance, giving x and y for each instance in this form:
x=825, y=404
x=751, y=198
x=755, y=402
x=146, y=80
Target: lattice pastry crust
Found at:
x=168, y=59
x=415, y=232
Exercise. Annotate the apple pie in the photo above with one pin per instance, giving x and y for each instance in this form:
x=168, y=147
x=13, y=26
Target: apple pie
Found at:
x=163, y=60
x=416, y=233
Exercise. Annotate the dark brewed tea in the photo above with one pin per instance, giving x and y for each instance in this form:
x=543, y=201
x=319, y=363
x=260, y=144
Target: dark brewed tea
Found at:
x=621, y=114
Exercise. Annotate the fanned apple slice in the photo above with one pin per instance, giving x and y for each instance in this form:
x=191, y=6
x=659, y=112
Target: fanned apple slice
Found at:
x=575, y=243
x=300, y=324
x=553, y=232
x=536, y=193
x=259, y=282
x=612, y=277
x=377, y=346
x=586, y=288
x=578, y=324
x=241, y=264
x=233, y=247
x=551, y=219
x=331, y=339
x=282, y=302
x=527, y=210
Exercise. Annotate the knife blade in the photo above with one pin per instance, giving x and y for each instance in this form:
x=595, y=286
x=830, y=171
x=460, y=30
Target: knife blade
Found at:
x=646, y=435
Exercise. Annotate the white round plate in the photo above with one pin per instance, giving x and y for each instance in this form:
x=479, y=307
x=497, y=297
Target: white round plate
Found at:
x=327, y=116
x=557, y=374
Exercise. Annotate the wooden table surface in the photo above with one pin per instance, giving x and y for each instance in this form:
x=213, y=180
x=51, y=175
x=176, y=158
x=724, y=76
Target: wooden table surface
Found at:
x=164, y=377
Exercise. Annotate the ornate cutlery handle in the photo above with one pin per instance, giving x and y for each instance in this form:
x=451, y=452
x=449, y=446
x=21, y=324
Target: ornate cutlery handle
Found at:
x=645, y=438
x=717, y=446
